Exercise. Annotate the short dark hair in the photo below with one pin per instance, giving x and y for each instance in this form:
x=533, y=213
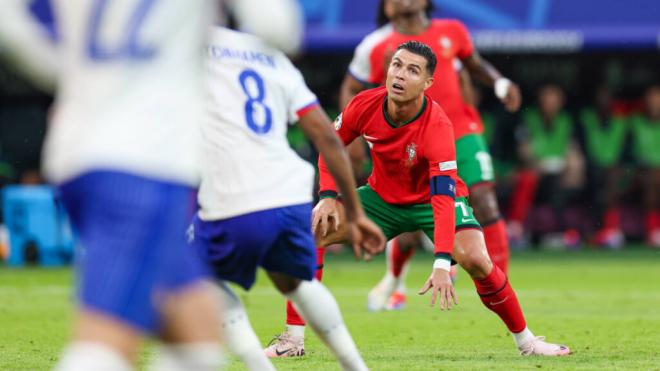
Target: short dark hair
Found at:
x=422, y=49
x=381, y=18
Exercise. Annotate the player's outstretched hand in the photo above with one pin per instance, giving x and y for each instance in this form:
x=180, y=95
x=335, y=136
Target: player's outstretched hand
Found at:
x=513, y=98
x=441, y=286
x=324, y=212
x=365, y=235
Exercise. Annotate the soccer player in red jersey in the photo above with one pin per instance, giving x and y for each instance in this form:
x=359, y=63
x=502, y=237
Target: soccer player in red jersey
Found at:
x=401, y=21
x=415, y=186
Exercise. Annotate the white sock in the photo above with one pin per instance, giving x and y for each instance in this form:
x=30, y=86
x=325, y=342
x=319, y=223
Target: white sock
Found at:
x=401, y=280
x=82, y=356
x=389, y=280
x=317, y=306
x=189, y=356
x=238, y=333
x=521, y=338
x=296, y=330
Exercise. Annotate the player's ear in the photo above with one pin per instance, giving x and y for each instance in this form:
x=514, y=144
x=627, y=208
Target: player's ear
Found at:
x=428, y=82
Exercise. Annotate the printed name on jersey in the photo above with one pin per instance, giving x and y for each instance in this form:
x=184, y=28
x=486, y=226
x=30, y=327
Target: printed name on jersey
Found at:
x=448, y=165
x=250, y=56
x=338, y=122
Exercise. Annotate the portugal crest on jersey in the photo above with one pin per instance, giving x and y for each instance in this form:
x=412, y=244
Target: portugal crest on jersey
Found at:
x=411, y=154
x=338, y=122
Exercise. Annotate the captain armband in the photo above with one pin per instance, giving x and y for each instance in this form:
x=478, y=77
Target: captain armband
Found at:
x=443, y=186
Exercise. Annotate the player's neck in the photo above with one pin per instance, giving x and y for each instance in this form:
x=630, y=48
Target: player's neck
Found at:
x=402, y=113
x=411, y=24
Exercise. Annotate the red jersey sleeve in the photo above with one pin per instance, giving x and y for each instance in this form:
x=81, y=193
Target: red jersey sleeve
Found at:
x=346, y=128
x=464, y=47
x=443, y=174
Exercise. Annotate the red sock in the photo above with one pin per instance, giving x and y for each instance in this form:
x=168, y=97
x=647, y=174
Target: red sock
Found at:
x=399, y=258
x=496, y=294
x=523, y=195
x=497, y=243
x=652, y=220
x=292, y=317
x=612, y=219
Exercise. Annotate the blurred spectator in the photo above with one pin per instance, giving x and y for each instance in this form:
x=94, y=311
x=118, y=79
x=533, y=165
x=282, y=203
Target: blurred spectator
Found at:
x=552, y=168
x=603, y=141
x=646, y=151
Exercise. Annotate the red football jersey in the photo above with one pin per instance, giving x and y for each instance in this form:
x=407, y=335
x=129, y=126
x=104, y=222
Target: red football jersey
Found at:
x=404, y=158
x=449, y=40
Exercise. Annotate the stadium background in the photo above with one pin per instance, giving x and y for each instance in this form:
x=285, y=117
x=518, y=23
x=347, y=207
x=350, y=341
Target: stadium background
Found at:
x=580, y=46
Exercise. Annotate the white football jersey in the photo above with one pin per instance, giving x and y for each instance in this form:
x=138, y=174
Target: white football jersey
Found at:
x=254, y=92
x=130, y=88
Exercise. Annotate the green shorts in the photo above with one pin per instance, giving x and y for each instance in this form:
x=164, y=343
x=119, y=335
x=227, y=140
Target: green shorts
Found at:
x=394, y=220
x=474, y=162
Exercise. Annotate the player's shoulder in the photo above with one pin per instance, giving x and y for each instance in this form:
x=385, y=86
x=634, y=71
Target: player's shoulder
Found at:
x=437, y=115
x=376, y=38
x=448, y=24
x=228, y=36
x=369, y=96
x=366, y=102
x=243, y=44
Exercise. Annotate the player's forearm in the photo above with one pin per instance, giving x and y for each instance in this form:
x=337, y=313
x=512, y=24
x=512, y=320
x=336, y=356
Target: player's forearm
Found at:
x=482, y=70
x=28, y=48
x=444, y=220
x=334, y=166
x=349, y=88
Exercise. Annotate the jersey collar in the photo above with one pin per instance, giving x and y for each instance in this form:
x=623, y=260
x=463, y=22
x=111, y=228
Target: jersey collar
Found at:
x=393, y=124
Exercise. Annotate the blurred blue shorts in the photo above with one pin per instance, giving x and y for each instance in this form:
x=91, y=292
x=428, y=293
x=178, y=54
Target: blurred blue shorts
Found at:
x=278, y=240
x=132, y=231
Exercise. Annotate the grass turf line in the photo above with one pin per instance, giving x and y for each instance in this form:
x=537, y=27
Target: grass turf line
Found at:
x=605, y=306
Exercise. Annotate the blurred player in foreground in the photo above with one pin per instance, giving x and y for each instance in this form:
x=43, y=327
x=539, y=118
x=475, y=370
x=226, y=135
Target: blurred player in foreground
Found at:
x=122, y=150
x=256, y=193
x=412, y=146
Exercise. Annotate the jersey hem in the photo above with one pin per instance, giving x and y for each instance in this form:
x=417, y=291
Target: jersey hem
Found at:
x=212, y=216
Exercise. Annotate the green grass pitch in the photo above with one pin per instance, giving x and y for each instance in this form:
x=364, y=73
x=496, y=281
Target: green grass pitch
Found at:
x=604, y=305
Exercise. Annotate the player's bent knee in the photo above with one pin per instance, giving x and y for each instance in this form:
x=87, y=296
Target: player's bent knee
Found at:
x=283, y=282
x=334, y=237
x=470, y=252
x=409, y=241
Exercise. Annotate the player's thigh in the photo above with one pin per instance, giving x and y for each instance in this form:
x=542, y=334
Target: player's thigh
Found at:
x=293, y=253
x=475, y=164
x=132, y=230
x=463, y=212
x=391, y=219
x=233, y=247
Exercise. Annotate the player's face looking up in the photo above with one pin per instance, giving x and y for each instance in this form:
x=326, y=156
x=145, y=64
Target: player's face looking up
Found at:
x=407, y=76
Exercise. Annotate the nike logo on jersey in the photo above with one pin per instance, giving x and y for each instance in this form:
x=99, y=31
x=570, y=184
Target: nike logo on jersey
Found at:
x=499, y=302
x=369, y=138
